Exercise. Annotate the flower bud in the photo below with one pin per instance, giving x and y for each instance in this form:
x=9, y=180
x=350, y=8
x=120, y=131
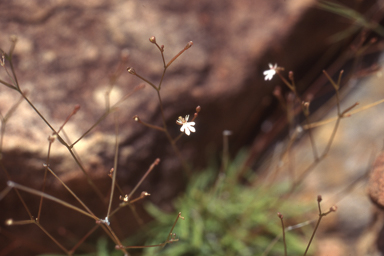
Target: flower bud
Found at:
x=144, y=194
x=51, y=138
x=227, y=133
x=124, y=54
x=13, y=38
x=190, y=43
x=290, y=75
x=9, y=222
x=131, y=71
x=152, y=39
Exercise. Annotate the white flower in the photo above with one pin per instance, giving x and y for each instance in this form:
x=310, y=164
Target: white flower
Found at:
x=186, y=126
x=270, y=72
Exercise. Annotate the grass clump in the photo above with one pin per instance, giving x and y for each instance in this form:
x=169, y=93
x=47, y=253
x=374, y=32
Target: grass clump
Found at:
x=227, y=217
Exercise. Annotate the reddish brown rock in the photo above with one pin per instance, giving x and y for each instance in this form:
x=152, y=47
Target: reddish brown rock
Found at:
x=376, y=182
x=63, y=57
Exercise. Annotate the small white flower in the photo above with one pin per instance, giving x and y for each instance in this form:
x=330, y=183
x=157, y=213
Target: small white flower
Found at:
x=186, y=127
x=270, y=72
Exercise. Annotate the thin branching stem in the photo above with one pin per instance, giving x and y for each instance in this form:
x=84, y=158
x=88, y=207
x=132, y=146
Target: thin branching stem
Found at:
x=181, y=52
x=173, y=226
x=70, y=191
x=136, y=215
x=292, y=87
x=137, y=119
x=156, y=162
x=313, y=234
x=68, y=147
x=45, y=176
x=4, y=120
x=114, y=165
x=158, y=88
x=90, y=182
x=38, y=112
x=90, y=232
x=148, y=82
x=4, y=192
x=8, y=85
x=283, y=231
x=162, y=78
x=104, y=223
x=225, y=160
x=49, y=197
x=144, y=194
x=116, y=239
x=16, y=190
x=53, y=239
x=103, y=116
x=106, y=113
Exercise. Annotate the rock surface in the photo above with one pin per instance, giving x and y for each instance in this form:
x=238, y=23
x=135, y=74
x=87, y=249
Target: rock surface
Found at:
x=66, y=51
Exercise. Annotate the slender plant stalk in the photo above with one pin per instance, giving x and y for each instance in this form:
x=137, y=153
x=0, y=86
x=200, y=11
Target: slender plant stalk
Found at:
x=156, y=162
x=82, y=240
x=115, y=165
x=49, y=197
x=144, y=194
x=53, y=239
x=283, y=231
x=45, y=177
x=104, y=223
x=168, y=240
x=71, y=192
x=158, y=88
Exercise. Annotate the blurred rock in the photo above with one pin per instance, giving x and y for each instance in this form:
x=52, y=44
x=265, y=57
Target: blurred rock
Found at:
x=376, y=182
x=66, y=51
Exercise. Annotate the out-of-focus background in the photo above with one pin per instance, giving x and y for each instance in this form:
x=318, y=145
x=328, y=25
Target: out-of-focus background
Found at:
x=66, y=52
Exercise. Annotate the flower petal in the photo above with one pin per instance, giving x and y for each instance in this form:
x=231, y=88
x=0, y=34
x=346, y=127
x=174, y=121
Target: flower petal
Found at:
x=192, y=129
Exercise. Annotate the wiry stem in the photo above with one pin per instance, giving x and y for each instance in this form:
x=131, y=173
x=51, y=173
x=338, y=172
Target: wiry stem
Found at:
x=49, y=197
x=321, y=215
x=158, y=88
x=115, y=165
x=283, y=230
